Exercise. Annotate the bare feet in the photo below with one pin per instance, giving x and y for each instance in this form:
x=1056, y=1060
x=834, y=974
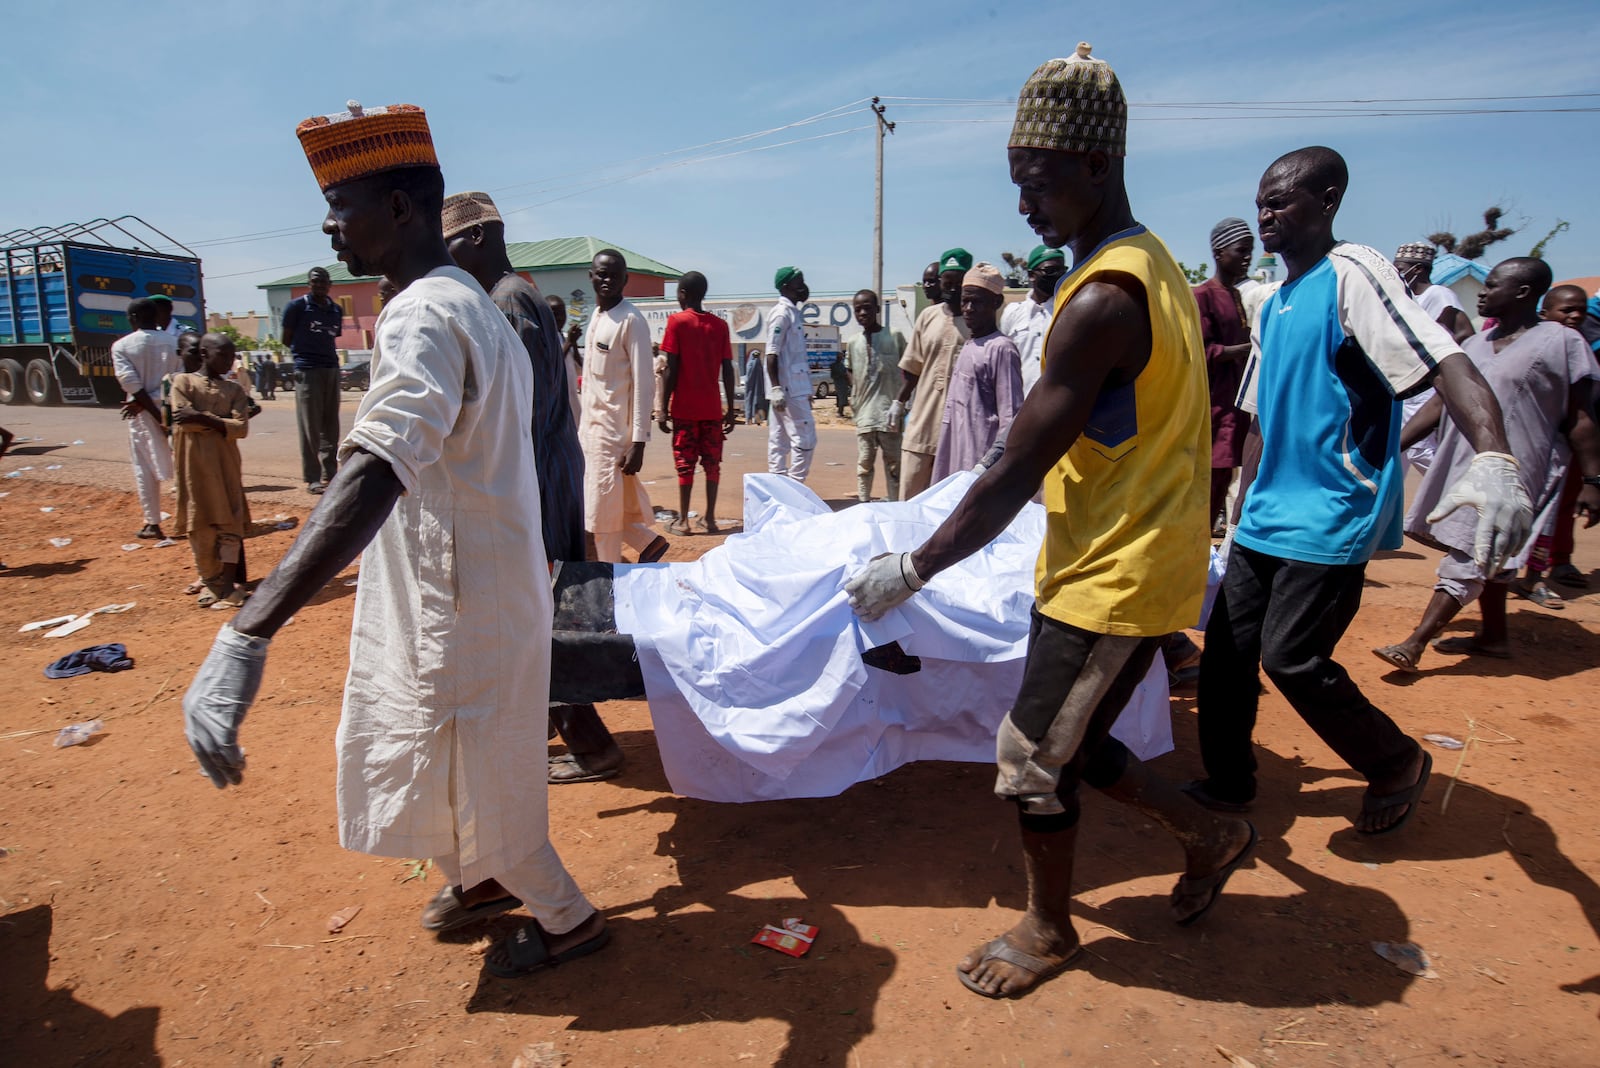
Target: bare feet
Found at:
x=710, y=524
x=1037, y=950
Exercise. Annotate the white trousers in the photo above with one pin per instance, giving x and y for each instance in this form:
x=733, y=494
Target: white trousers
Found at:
x=791, y=439
x=608, y=544
x=543, y=885
x=152, y=463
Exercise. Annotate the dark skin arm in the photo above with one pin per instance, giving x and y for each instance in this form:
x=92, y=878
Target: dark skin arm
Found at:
x=1101, y=339
x=357, y=502
x=140, y=401
x=1455, y=320
x=731, y=416
x=1248, y=467
x=910, y=384
x=1584, y=438
x=1471, y=403
x=205, y=419
x=1425, y=422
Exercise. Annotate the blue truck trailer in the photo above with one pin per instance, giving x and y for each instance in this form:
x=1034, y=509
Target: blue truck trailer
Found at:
x=64, y=295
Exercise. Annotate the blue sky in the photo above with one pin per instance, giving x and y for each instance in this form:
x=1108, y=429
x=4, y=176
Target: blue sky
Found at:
x=184, y=114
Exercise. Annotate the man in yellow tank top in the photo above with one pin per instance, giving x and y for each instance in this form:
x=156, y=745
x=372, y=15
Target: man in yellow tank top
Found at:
x=1117, y=430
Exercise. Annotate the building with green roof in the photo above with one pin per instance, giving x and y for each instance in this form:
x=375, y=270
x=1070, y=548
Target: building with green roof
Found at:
x=558, y=266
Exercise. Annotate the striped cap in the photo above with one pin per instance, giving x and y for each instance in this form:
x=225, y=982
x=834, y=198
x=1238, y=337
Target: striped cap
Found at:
x=1072, y=105
x=360, y=142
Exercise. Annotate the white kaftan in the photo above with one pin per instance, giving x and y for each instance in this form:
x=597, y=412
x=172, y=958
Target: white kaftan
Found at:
x=792, y=433
x=617, y=393
x=444, y=711
x=140, y=361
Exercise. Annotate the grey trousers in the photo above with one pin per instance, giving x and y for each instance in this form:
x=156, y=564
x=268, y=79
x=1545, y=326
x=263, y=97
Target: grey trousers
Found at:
x=316, y=409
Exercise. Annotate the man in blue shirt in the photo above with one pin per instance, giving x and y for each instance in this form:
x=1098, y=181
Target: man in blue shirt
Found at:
x=311, y=328
x=1337, y=347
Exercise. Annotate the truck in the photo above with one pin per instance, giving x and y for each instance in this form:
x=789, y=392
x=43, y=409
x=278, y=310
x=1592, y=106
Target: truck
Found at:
x=64, y=295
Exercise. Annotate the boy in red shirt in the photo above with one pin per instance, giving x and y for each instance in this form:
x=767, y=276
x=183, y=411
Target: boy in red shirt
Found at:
x=698, y=351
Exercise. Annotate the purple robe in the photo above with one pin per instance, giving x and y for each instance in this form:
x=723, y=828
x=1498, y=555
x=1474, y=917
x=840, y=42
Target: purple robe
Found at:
x=1222, y=323
x=984, y=395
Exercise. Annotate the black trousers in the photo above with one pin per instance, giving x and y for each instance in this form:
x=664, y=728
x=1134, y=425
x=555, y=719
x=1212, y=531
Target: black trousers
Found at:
x=1287, y=617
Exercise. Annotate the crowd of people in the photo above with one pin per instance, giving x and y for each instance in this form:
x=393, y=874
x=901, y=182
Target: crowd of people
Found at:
x=492, y=444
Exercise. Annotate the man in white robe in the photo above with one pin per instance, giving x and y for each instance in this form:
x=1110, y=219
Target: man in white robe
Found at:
x=141, y=359
x=617, y=394
x=453, y=613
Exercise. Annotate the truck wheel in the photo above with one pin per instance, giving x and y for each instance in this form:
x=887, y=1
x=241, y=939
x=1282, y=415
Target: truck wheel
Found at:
x=822, y=390
x=13, y=389
x=41, y=382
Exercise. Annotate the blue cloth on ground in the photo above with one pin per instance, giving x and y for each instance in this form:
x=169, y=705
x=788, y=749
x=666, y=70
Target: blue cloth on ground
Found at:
x=113, y=657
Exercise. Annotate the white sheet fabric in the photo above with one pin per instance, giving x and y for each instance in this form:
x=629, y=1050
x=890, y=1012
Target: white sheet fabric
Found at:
x=751, y=655
x=439, y=730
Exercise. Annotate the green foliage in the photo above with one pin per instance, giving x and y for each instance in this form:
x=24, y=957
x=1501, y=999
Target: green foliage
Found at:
x=1561, y=227
x=1195, y=275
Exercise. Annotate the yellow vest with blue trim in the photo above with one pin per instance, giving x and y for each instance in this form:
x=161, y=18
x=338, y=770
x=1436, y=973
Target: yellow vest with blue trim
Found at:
x=1127, y=538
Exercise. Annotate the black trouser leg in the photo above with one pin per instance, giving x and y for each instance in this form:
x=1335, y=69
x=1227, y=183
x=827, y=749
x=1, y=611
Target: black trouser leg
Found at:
x=1230, y=678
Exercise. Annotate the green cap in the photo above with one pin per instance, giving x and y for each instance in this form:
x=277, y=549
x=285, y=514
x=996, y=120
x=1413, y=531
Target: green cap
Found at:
x=1042, y=253
x=783, y=276
x=160, y=298
x=955, y=259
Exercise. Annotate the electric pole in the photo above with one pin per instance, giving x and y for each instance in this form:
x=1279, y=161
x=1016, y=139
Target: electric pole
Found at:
x=877, y=216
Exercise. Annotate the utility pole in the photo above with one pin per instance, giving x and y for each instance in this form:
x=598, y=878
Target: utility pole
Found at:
x=877, y=214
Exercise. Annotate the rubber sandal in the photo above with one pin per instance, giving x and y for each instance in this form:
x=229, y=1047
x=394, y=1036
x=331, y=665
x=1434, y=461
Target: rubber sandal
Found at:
x=207, y=599
x=1411, y=797
x=1467, y=645
x=232, y=601
x=446, y=912
x=1396, y=658
x=1214, y=882
x=570, y=768
x=526, y=952
x=1541, y=595
x=676, y=526
x=1041, y=970
x=1200, y=794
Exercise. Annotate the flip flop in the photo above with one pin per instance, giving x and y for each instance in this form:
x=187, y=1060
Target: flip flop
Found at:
x=560, y=775
x=1214, y=882
x=1541, y=595
x=446, y=912
x=207, y=599
x=1200, y=795
x=527, y=952
x=676, y=526
x=1411, y=797
x=1041, y=970
x=1396, y=658
x=1467, y=645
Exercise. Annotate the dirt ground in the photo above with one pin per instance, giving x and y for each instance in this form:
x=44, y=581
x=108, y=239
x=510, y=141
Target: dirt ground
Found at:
x=147, y=918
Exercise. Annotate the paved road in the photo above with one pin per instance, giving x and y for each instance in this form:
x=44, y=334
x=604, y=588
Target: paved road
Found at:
x=272, y=454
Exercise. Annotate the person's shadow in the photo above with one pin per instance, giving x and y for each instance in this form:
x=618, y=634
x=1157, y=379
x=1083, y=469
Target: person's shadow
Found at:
x=43, y=1026
x=1530, y=631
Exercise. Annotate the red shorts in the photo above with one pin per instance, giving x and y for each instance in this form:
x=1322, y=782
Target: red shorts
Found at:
x=697, y=439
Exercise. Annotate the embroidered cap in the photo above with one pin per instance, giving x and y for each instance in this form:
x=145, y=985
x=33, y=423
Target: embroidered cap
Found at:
x=360, y=142
x=1416, y=252
x=985, y=276
x=1072, y=105
x=463, y=211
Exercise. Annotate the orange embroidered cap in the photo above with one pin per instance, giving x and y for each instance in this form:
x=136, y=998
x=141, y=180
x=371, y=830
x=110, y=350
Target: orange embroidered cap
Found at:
x=359, y=142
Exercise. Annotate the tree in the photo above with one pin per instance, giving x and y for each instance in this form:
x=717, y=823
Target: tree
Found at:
x=1195, y=275
x=1016, y=273
x=1561, y=227
x=1473, y=246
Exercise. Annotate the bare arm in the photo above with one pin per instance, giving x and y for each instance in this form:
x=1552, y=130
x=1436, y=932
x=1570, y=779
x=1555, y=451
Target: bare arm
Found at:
x=1471, y=404
x=909, y=385
x=1425, y=422
x=669, y=384
x=1248, y=468
x=1455, y=320
x=357, y=502
x=1102, y=336
x=729, y=391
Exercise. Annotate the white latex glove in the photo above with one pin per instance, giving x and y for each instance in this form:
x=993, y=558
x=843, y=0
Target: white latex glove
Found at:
x=779, y=399
x=217, y=700
x=1505, y=514
x=887, y=581
x=897, y=413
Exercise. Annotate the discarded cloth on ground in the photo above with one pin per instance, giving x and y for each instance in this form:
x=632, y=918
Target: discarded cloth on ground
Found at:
x=111, y=657
x=752, y=656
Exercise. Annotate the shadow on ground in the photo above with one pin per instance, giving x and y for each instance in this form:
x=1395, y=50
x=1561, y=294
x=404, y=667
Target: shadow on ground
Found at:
x=40, y=1026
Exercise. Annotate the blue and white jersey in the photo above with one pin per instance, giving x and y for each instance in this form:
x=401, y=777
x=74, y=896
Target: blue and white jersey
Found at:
x=1334, y=351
